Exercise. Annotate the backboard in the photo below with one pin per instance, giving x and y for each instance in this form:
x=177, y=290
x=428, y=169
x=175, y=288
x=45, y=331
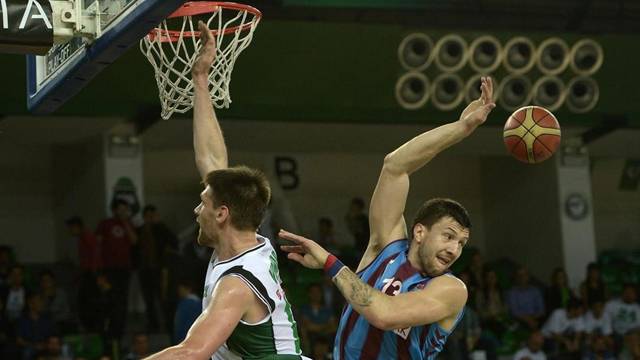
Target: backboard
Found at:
x=60, y=74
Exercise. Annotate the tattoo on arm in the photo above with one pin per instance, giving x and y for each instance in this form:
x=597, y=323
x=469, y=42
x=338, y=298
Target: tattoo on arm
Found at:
x=355, y=290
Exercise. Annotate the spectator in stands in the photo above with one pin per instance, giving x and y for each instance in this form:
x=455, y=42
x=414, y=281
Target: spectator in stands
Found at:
x=16, y=294
x=597, y=349
x=188, y=309
x=34, y=328
x=55, y=302
x=322, y=349
x=139, y=347
x=5, y=331
x=565, y=329
x=358, y=223
x=55, y=349
x=116, y=236
x=333, y=299
x=524, y=301
x=317, y=320
x=490, y=305
x=467, y=337
x=633, y=344
x=476, y=269
x=90, y=261
x=327, y=235
x=155, y=241
x=597, y=323
x=558, y=294
x=110, y=324
x=593, y=288
x=625, y=319
x=533, y=349
x=463, y=340
x=6, y=263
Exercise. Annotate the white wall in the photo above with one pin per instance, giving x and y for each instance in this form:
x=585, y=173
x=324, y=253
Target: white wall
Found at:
x=78, y=189
x=328, y=181
x=616, y=212
x=26, y=214
x=43, y=183
x=521, y=213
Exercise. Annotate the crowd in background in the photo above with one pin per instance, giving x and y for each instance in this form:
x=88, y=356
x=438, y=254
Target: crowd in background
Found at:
x=508, y=314
x=91, y=317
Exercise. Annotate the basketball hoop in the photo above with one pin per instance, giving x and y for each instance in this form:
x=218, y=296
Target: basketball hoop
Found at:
x=173, y=46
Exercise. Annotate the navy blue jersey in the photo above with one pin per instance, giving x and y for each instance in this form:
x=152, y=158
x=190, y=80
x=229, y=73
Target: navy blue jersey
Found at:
x=391, y=273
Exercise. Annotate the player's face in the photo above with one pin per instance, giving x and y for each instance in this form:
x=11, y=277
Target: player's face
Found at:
x=205, y=213
x=440, y=246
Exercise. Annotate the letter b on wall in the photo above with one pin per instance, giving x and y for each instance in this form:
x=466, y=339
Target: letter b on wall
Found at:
x=287, y=172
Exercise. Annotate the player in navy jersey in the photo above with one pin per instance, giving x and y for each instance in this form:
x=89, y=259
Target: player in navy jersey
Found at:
x=402, y=302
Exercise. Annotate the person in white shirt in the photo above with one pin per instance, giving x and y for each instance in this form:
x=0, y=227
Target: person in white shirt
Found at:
x=597, y=325
x=625, y=319
x=533, y=350
x=625, y=311
x=597, y=321
x=565, y=327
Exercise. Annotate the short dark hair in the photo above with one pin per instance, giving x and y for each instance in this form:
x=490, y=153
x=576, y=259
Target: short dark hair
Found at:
x=244, y=191
x=573, y=303
x=74, y=220
x=435, y=209
x=117, y=202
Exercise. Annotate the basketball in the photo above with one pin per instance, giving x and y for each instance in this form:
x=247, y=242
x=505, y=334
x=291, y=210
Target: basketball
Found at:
x=532, y=134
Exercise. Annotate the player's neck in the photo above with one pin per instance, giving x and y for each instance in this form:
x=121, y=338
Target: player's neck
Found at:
x=234, y=242
x=414, y=259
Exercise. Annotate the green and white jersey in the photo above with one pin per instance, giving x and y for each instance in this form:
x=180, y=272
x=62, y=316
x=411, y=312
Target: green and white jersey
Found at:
x=276, y=336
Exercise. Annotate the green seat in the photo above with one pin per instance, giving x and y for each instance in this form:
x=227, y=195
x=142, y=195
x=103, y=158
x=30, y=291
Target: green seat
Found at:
x=88, y=346
x=612, y=257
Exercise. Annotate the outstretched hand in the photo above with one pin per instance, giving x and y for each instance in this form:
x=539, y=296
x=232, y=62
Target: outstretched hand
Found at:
x=304, y=251
x=477, y=111
x=207, y=53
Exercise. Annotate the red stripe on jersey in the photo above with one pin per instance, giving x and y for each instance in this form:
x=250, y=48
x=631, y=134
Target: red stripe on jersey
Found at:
x=403, y=347
x=423, y=335
x=354, y=315
x=372, y=344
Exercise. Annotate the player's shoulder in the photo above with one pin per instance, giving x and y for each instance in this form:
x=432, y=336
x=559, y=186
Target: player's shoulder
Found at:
x=448, y=280
x=233, y=287
x=448, y=287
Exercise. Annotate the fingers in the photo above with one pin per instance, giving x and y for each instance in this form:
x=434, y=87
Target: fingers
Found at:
x=205, y=33
x=291, y=237
x=296, y=257
x=485, y=91
x=292, y=248
x=486, y=88
x=486, y=109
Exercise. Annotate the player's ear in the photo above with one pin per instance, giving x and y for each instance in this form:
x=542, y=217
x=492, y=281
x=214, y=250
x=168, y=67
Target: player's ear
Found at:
x=418, y=232
x=222, y=214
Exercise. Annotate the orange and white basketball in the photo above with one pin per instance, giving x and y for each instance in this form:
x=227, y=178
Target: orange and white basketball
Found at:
x=532, y=134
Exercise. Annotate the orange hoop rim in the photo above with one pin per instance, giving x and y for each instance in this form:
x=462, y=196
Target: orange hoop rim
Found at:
x=192, y=8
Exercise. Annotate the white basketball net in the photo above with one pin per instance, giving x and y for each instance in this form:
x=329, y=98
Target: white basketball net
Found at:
x=172, y=49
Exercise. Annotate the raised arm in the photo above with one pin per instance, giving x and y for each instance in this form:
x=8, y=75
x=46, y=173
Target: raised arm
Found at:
x=208, y=141
x=440, y=301
x=231, y=299
x=390, y=195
